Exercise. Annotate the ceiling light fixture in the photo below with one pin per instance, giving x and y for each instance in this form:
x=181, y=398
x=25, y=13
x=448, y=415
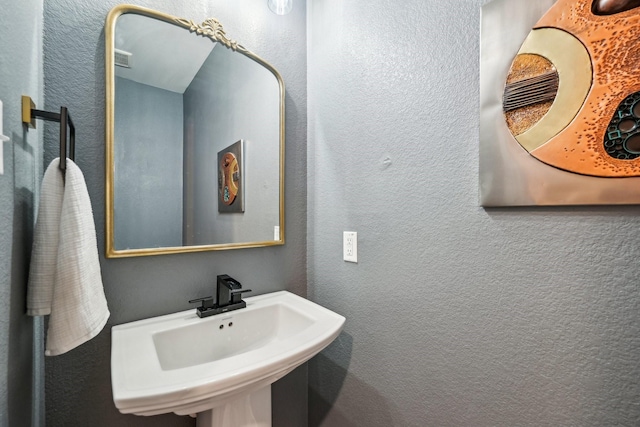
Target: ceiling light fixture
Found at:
x=280, y=7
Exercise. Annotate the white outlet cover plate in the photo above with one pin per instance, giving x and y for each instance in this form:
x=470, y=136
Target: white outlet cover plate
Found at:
x=350, y=246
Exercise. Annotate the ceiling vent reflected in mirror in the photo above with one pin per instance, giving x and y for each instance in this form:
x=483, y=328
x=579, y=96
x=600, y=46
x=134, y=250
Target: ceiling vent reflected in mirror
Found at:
x=122, y=58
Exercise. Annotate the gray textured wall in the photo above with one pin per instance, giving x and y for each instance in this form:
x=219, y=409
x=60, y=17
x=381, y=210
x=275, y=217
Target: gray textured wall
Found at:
x=456, y=315
x=243, y=96
x=21, y=378
x=78, y=383
x=148, y=154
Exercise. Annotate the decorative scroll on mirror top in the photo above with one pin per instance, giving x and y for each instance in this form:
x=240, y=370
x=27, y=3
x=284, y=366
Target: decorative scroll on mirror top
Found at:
x=213, y=29
x=179, y=95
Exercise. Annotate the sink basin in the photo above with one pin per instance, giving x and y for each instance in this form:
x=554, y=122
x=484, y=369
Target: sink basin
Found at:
x=186, y=364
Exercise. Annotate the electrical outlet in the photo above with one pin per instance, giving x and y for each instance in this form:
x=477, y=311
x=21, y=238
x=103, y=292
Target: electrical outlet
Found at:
x=350, y=246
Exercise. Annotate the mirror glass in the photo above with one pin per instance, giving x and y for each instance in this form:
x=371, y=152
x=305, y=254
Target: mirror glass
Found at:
x=195, y=138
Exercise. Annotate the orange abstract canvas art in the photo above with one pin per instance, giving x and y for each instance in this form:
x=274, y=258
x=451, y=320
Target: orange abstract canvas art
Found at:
x=570, y=101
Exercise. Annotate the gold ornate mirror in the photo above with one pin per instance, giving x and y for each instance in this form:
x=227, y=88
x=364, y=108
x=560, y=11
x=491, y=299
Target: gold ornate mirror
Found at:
x=194, y=138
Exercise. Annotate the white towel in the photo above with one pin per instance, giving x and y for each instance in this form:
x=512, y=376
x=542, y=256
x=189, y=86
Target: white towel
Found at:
x=45, y=242
x=64, y=279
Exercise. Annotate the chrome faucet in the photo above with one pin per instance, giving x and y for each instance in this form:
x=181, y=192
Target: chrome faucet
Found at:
x=228, y=297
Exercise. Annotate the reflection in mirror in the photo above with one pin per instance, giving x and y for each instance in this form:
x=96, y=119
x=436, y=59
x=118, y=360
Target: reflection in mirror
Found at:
x=195, y=138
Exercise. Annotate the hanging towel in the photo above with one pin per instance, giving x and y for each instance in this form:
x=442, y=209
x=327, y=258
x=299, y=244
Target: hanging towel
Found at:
x=45, y=242
x=65, y=280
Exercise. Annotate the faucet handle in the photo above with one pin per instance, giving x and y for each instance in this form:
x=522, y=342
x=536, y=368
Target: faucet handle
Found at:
x=207, y=302
x=235, y=295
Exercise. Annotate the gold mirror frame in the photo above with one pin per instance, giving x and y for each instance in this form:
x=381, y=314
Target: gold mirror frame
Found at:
x=212, y=29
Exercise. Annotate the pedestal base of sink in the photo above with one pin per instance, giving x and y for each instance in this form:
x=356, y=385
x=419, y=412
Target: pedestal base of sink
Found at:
x=253, y=410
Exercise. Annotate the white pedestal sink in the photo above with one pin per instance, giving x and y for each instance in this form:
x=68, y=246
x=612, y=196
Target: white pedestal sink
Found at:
x=220, y=367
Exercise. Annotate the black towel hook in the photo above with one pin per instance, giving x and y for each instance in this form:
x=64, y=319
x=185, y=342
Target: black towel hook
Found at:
x=29, y=116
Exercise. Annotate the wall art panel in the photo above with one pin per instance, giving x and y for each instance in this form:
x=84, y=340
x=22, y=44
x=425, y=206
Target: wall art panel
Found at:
x=560, y=102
